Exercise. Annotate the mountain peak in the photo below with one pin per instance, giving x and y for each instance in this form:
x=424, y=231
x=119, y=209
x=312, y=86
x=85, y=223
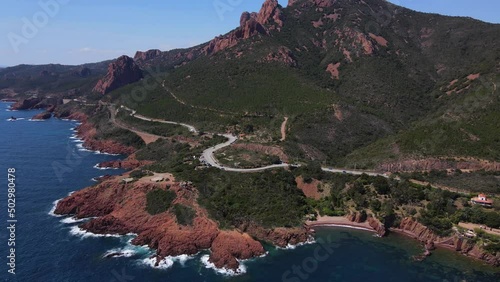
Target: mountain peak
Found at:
x=270, y=11
x=121, y=72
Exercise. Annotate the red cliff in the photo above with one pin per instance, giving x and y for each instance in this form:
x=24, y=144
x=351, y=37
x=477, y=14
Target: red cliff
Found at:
x=120, y=73
x=121, y=209
x=416, y=230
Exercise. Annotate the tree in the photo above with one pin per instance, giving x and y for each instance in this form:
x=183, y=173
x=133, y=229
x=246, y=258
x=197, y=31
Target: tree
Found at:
x=381, y=185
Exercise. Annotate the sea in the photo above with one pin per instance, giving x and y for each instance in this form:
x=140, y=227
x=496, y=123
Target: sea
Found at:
x=50, y=163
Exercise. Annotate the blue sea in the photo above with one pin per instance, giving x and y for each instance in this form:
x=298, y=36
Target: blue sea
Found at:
x=50, y=164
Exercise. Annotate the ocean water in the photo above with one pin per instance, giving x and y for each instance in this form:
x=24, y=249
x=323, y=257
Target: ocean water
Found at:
x=50, y=164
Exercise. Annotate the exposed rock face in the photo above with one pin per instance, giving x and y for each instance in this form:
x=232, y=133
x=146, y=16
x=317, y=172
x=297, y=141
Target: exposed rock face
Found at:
x=129, y=163
x=439, y=164
x=360, y=217
x=414, y=229
x=283, y=55
x=26, y=104
x=251, y=24
x=377, y=226
x=146, y=56
x=333, y=69
x=270, y=13
x=87, y=133
x=229, y=245
x=120, y=73
x=42, y=116
x=281, y=237
x=121, y=209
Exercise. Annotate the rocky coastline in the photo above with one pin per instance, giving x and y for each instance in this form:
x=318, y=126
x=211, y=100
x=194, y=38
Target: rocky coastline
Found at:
x=119, y=208
x=465, y=246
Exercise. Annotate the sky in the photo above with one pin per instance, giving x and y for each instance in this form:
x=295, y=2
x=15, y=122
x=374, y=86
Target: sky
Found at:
x=85, y=31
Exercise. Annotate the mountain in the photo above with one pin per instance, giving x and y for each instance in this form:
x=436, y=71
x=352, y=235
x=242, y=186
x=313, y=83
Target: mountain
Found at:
x=363, y=83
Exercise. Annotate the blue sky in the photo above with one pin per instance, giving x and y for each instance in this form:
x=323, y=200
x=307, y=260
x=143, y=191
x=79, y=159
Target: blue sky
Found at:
x=78, y=31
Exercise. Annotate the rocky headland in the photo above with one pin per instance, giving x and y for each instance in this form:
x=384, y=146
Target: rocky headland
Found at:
x=118, y=208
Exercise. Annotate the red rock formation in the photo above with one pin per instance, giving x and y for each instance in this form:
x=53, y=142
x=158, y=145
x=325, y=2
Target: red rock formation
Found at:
x=270, y=13
x=416, y=230
x=377, y=226
x=333, y=69
x=251, y=24
x=87, y=133
x=42, y=116
x=283, y=55
x=229, y=246
x=120, y=73
x=26, y=104
x=129, y=163
x=281, y=237
x=121, y=209
x=146, y=56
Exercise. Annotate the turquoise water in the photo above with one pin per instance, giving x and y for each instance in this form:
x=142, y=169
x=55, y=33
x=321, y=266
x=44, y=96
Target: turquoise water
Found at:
x=49, y=165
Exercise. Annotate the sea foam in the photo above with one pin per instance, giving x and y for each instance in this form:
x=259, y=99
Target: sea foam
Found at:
x=224, y=271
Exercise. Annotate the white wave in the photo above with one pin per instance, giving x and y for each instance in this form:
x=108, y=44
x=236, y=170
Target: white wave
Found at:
x=77, y=231
x=54, y=206
x=72, y=220
x=81, y=148
x=119, y=253
x=103, y=153
x=36, y=120
x=309, y=241
x=103, y=168
x=167, y=262
x=224, y=271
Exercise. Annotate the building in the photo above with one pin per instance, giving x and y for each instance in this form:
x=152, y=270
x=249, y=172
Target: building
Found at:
x=482, y=200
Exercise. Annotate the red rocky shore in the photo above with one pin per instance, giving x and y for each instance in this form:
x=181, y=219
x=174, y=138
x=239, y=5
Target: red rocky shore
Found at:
x=120, y=208
x=87, y=132
x=412, y=228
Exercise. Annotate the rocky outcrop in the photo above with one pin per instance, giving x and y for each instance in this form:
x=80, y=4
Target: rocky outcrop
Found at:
x=120, y=73
x=282, y=55
x=270, y=13
x=281, y=237
x=377, y=226
x=229, y=246
x=87, y=132
x=42, y=116
x=121, y=208
x=439, y=164
x=416, y=230
x=26, y=104
x=129, y=163
x=249, y=27
x=333, y=69
x=147, y=55
x=251, y=24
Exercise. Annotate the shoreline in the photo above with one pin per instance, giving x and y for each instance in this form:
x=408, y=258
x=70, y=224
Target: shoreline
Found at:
x=339, y=222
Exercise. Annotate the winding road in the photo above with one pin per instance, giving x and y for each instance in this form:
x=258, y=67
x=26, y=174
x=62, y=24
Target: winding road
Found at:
x=208, y=156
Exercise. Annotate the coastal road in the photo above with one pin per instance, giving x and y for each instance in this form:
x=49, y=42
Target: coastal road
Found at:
x=208, y=156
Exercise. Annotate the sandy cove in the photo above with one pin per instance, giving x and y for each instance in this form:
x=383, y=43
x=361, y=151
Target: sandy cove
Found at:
x=340, y=221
